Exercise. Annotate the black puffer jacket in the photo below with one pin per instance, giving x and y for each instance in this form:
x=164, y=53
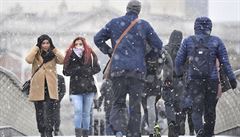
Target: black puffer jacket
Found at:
x=81, y=75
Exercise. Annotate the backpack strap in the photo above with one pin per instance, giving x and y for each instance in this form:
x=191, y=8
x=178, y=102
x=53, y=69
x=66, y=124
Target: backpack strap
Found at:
x=200, y=43
x=107, y=69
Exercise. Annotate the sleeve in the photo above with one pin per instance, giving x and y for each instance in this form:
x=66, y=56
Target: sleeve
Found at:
x=96, y=67
x=101, y=37
x=181, y=58
x=153, y=39
x=31, y=55
x=223, y=59
x=168, y=68
x=59, y=56
x=62, y=87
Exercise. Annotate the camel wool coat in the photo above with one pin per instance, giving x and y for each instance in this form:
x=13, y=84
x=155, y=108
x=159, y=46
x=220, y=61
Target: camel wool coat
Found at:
x=47, y=71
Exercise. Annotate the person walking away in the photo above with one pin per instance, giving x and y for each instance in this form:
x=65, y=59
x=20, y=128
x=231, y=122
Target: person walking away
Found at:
x=127, y=68
x=201, y=51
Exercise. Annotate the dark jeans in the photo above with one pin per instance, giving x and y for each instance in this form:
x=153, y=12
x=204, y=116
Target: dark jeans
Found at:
x=45, y=114
x=107, y=117
x=204, y=93
x=172, y=98
x=187, y=112
x=56, y=117
x=119, y=114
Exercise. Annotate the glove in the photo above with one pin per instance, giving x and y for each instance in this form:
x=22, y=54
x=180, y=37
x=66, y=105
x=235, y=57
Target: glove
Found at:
x=233, y=83
x=48, y=56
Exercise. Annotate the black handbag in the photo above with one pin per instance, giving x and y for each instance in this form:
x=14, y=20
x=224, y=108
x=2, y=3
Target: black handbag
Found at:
x=26, y=85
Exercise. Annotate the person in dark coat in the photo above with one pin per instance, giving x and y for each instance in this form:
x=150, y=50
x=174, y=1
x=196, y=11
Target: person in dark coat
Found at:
x=43, y=89
x=57, y=104
x=156, y=63
x=128, y=67
x=81, y=63
x=106, y=100
x=178, y=87
x=201, y=51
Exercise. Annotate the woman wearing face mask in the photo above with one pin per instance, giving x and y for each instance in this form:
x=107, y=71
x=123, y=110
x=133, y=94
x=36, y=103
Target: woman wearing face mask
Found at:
x=81, y=63
x=43, y=90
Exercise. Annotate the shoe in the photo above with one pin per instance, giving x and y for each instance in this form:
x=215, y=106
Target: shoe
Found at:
x=200, y=133
x=191, y=133
x=85, y=133
x=182, y=128
x=78, y=132
x=49, y=134
x=119, y=134
x=56, y=133
x=43, y=134
x=171, y=130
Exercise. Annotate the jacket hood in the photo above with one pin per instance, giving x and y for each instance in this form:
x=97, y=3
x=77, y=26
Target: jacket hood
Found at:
x=175, y=38
x=203, y=25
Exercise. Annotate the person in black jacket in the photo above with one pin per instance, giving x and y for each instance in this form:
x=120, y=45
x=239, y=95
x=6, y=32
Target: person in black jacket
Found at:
x=81, y=63
x=106, y=95
x=57, y=104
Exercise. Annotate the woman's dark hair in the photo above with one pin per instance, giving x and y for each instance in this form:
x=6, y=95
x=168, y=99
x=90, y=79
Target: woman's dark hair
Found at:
x=42, y=38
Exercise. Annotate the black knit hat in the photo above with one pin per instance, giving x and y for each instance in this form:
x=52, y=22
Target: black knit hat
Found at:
x=42, y=38
x=134, y=6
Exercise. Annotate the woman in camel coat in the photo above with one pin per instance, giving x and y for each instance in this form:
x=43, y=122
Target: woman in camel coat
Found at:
x=44, y=83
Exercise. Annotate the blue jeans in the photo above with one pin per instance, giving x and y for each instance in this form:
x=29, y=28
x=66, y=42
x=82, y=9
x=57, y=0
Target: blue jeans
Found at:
x=82, y=108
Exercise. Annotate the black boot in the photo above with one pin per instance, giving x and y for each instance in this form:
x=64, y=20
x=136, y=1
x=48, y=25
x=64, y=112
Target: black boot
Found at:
x=78, y=132
x=200, y=133
x=172, y=130
x=85, y=133
x=43, y=134
x=49, y=134
x=56, y=133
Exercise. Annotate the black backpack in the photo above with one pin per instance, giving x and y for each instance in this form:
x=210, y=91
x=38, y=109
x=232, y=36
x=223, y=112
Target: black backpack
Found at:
x=198, y=65
x=152, y=60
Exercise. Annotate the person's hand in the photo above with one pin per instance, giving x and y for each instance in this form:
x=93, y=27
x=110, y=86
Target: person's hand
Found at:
x=233, y=83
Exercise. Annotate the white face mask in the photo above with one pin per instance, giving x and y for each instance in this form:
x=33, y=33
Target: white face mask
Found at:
x=79, y=51
x=81, y=47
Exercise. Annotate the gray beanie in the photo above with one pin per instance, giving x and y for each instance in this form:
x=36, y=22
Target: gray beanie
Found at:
x=134, y=6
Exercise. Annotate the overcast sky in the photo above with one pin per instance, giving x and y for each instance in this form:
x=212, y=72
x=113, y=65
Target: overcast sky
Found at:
x=219, y=10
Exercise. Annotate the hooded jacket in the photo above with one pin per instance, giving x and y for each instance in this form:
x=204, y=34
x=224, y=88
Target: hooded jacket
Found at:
x=173, y=46
x=202, y=28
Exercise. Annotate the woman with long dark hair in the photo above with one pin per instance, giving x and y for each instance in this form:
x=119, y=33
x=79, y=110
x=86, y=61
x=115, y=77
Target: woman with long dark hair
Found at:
x=81, y=63
x=43, y=90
